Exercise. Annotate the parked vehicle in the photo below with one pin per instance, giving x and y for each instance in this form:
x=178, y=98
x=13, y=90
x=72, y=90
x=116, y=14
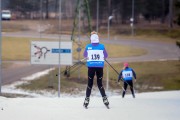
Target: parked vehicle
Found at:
x=6, y=15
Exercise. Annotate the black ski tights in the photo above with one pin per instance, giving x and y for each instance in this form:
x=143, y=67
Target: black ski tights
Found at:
x=99, y=74
x=126, y=83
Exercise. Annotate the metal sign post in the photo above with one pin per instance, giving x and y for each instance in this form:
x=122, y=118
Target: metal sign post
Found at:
x=0, y=48
x=59, y=77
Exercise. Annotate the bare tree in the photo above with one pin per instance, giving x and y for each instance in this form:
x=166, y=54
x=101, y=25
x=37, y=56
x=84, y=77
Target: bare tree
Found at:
x=109, y=8
x=171, y=13
x=47, y=9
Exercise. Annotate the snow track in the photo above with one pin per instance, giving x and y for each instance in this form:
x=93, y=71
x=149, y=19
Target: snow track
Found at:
x=146, y=106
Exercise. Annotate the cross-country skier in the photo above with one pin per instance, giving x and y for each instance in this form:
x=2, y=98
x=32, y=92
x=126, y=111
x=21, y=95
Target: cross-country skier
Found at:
x=127, y=75
x=95, y=54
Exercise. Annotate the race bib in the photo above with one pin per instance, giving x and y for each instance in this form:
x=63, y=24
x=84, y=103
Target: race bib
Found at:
x=127, y=74
x=95, y=55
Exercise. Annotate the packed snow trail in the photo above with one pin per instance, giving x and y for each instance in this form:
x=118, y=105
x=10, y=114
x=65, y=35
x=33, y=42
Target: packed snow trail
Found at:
x=146, y=106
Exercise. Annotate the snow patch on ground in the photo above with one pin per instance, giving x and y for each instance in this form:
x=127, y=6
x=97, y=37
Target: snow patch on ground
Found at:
x=38, y=74
x=11, y=88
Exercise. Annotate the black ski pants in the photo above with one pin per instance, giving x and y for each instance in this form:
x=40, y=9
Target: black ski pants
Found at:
x=126, y=83
x=92, y=71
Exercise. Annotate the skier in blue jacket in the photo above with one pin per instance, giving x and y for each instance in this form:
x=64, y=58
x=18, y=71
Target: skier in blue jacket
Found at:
x=95, y=54
x=127, y=75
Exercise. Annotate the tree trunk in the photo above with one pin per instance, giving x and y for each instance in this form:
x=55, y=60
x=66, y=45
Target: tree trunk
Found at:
x=109, y=8
x=171, y=13
x=47, y=9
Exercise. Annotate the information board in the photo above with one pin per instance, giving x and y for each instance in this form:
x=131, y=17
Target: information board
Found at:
x=47, y=52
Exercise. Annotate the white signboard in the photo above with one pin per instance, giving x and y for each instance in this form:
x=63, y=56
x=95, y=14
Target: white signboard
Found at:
x=46, y=52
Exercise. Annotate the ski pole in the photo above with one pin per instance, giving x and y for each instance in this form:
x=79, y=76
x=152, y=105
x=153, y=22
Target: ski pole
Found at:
x=78, y=62
x=118, y=74
x=73, y=65
x=115, y=71
x=112, y=67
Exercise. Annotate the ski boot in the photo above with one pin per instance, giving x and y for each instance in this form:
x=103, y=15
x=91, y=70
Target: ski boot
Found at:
x=86, y=102
x=105, y=101
x=133, y=95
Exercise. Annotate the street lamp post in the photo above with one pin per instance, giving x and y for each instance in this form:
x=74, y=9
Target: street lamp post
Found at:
x=97, y=23
x=109, y=19
x=107, y=82
x=132, y=19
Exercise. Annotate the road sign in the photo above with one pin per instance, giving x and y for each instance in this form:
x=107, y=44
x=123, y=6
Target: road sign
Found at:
x=47, y=52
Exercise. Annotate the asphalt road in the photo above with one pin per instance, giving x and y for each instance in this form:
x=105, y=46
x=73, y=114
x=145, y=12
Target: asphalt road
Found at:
x=156, y=51
x=21, y=69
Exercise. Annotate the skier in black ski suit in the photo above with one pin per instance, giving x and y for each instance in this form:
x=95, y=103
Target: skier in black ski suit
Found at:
x=95, y=54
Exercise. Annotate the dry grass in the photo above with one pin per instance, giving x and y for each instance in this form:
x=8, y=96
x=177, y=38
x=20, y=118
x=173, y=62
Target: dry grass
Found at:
x=14, y=48
x=151, y=76
x=14, y=26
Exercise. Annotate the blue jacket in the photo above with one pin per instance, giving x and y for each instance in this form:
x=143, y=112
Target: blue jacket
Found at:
x=127, y=74
x=96, y=53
